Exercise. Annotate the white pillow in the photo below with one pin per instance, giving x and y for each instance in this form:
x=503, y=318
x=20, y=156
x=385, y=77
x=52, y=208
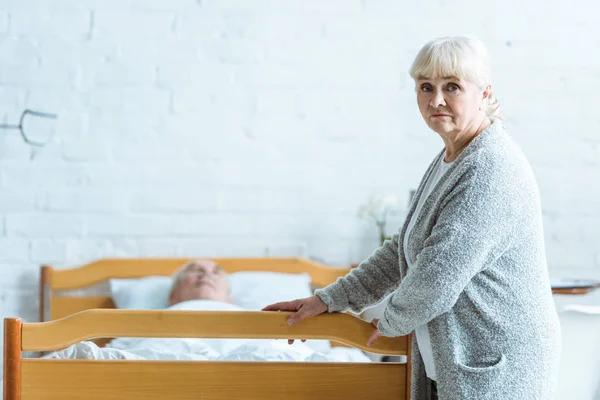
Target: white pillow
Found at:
x=149, y=293
x=256, y=289
x=250, y=290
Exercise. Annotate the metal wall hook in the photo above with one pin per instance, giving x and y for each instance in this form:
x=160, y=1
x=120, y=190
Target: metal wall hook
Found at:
x=20, y=126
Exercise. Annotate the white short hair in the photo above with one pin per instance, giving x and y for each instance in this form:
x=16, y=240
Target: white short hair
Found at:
x=461, y=56
x=176, y=277
x=181, y=272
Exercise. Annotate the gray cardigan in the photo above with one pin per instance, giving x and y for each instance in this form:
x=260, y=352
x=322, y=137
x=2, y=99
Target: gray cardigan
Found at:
x=479, y=279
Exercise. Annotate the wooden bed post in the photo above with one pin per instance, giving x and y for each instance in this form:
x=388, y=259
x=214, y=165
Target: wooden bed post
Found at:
x=45, y=273
x=12, y=358
x=409, y=340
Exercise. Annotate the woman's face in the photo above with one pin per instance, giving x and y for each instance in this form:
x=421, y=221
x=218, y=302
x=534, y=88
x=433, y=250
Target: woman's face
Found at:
x=450, y=105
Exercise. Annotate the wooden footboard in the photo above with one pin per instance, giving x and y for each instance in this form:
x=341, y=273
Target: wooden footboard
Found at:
x=49, y=379
x=166, y=380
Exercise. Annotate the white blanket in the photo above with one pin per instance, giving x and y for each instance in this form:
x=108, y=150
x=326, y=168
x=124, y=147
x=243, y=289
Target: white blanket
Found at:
x=210, y=349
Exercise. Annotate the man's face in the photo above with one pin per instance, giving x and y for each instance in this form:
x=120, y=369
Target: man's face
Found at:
x=201, y=280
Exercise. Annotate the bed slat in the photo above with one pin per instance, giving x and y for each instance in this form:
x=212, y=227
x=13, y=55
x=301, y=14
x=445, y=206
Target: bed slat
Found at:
x=213, y=380
x=92, y=324
x=101, y=270
x=63, y=306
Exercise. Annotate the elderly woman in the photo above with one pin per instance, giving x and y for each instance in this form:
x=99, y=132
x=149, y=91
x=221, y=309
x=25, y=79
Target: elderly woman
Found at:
x=467, y=272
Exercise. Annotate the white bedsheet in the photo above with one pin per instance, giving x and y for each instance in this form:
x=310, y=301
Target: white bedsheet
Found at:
x=210, y=349
x=201, y=350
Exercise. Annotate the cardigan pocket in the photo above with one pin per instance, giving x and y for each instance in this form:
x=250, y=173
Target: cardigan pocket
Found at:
x=482, y=381
x=488, y=368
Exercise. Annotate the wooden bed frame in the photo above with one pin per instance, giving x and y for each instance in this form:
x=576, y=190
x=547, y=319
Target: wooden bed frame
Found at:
x=76, y=318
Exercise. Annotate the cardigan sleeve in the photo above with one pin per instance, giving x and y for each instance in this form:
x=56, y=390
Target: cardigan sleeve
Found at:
x=367, y=284
x=475, y=224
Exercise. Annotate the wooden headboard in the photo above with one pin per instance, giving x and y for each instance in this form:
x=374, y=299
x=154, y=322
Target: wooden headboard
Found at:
x=54, y=306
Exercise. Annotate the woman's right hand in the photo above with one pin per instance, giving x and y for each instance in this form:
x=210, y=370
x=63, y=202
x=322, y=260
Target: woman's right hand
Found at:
x=303, y=308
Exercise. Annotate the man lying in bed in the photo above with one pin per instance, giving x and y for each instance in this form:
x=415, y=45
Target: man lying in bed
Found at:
x=200, y=280
x=202, y=285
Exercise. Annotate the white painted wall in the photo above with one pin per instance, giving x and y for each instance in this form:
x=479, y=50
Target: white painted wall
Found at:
x=245, y=128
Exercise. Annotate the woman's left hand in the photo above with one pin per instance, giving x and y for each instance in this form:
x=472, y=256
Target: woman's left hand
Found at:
x=376, y=334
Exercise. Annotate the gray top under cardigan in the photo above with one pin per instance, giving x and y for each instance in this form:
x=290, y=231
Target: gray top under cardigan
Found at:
x=479, y=279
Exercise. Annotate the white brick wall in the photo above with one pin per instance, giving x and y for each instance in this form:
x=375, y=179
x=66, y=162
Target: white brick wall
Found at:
x=257, y=127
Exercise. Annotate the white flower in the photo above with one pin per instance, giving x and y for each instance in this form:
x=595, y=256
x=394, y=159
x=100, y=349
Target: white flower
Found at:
x=378, y=207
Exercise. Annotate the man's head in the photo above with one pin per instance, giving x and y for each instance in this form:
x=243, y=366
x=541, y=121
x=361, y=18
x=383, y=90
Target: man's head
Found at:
x=199, y=280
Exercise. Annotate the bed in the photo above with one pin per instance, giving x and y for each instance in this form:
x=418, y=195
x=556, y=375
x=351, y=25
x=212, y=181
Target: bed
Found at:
x=71, y=319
